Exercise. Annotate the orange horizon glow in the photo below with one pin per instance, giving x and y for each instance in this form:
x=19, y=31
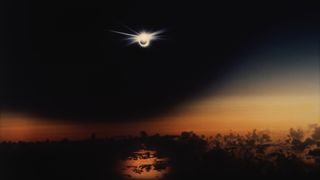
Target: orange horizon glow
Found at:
x=276, y=104
x=209, y=116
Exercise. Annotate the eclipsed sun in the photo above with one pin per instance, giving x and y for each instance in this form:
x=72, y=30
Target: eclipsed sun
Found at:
x=143, y=38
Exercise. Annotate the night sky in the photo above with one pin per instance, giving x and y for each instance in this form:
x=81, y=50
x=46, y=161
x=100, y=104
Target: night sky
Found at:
x=61, y=62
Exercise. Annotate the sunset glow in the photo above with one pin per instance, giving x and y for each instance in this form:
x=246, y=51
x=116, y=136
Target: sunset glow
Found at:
x=207, y=117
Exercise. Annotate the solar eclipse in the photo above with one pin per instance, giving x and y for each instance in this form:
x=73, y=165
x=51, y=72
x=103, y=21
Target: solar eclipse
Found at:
x=143, y=38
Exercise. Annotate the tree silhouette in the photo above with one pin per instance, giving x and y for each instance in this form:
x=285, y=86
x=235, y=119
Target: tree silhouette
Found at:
x=316, y=134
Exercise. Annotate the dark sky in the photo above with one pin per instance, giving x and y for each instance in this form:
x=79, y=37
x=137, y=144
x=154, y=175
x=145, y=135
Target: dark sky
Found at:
x=60, y=59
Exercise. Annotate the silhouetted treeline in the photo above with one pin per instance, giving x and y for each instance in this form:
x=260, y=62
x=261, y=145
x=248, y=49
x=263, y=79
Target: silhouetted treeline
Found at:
x=191, y=156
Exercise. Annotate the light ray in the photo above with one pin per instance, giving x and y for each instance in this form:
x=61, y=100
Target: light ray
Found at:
x=123, y=33
x=143, y=38
x=132, y=30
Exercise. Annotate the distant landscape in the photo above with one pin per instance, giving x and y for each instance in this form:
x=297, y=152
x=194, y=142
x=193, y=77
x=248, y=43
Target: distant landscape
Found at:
x=165, y=157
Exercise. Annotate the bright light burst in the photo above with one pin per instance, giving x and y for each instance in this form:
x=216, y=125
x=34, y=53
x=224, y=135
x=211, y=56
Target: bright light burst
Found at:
x=143, y=38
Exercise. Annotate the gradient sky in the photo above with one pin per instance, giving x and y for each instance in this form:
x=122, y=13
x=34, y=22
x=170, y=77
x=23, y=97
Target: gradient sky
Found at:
x=275, y=88
x=224, y=68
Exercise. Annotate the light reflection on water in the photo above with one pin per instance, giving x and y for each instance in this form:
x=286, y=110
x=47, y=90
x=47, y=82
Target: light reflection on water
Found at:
x=145, y=164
